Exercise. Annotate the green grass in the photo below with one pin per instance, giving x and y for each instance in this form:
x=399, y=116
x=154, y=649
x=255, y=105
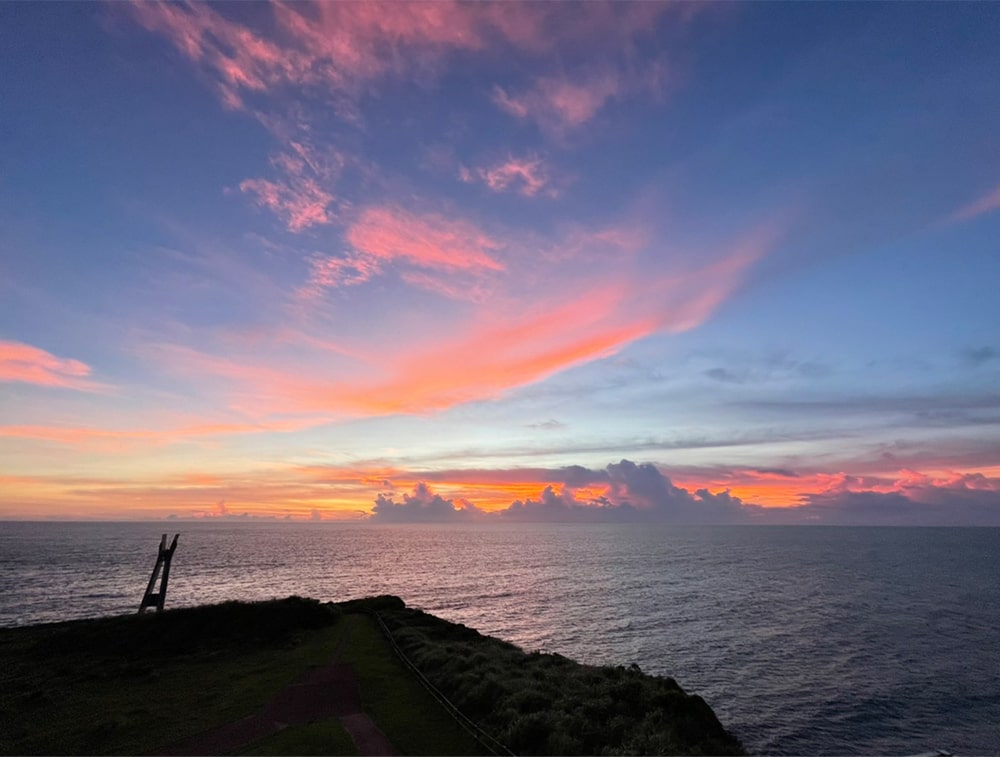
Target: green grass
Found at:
x=127, y=685
x=412, y=721
x=322, y=737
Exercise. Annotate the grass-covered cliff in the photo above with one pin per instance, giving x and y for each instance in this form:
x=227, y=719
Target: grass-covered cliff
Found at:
x=141, y=684
x=547, y=704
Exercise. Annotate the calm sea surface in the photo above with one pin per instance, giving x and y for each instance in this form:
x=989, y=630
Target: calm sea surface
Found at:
x=805, y=640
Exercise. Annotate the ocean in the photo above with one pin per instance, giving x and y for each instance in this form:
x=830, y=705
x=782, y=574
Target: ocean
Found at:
x=804, y=640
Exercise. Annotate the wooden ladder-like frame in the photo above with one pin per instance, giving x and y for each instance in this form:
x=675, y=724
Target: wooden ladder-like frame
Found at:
x=155, y=599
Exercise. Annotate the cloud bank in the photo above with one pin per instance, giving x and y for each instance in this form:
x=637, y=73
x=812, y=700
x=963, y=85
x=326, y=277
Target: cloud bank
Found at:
x=422, y=506
x=629, y=492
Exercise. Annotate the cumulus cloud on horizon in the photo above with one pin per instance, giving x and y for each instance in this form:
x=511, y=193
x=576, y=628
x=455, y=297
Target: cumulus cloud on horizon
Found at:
x=642, y=493
x=633, y=493
x=422, y=506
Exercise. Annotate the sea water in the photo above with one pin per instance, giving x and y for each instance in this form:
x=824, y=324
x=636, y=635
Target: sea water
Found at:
x=804, y=640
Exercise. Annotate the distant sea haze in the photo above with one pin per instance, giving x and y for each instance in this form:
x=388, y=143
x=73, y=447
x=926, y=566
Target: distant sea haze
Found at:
x=804, y=640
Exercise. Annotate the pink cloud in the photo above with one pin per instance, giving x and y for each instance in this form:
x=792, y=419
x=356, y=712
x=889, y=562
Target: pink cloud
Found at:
x=238, y=59
x=536, y=315
x=338, y=47
x=327, y=272
x=988, y=203
x=302, y=203
x=497, y=353
x=504, y=352
x=560, y=105
x=500, y=342
x=913, y=482
x=491, y=359
x=909, y=498
x=23, y=363
x=527, y=175
x=301, y=197
x=430, y=241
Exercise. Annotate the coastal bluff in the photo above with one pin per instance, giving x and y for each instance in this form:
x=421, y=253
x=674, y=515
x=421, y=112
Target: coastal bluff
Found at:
x=297, y=676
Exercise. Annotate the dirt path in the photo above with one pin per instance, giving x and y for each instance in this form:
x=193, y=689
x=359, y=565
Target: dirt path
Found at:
x=320, y=693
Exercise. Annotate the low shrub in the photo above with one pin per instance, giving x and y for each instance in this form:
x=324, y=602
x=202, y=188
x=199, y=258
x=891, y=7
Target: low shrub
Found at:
x=547, y=704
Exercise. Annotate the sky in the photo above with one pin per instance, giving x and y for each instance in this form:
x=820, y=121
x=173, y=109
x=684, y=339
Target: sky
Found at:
x=484, y=262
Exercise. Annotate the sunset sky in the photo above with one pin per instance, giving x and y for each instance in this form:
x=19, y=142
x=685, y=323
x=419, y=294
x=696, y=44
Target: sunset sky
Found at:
x=674, y=262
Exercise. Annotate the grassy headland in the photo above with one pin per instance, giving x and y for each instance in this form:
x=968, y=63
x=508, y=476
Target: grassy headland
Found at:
x=133, y=684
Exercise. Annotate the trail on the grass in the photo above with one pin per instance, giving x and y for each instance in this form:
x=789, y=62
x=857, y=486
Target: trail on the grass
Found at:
x=320, y=693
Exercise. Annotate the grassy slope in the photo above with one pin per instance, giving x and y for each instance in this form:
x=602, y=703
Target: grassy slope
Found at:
x=129, y=684
x=389, y=693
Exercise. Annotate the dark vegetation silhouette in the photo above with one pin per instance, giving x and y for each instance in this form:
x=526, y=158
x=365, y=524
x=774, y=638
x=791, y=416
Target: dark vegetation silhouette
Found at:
x=547, y=704
x=131, y=684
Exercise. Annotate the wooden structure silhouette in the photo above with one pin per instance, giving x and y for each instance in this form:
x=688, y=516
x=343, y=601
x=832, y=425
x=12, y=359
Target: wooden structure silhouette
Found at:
x=156, y=598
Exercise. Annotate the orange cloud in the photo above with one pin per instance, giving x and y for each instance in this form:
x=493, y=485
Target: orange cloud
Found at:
x=485, y=365
x=501, y=344
x=766, y=488
x=348, y=491
x=23, y=363
x=258, y=492
x=988, y=203
x=505, y=353
x=105, y=438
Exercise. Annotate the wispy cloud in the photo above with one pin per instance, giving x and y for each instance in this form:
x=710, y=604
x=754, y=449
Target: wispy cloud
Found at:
x=559, y=105
x=429, y=241
x=338, y=48
x=501, y=343
x=259, y=493
x=562, y=104
x=988, y=203
x=527, y=175
x=237, y=59
x=301, y=195
x=100, y=438
x=23, y=363
x=302, y=203
x=327, y=272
